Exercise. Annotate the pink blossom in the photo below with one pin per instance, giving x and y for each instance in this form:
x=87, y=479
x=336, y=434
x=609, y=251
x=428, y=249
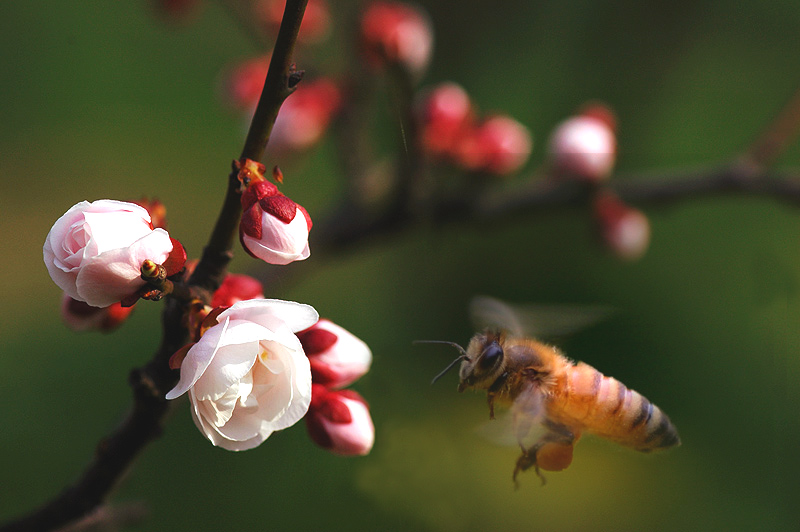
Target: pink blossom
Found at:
x=80, y=316
x=273, y=227
x=445, y=114
x=237, y=287
x=338, y=358
x=305, y=115
x=584, y=146
x=339, y=421
x=94, y=252
x=500, y=146
x=398, y=33
x=247, y=376
x=624, y=229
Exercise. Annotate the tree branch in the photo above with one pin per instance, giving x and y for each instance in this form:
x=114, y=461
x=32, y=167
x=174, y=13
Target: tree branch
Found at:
x=116, y=453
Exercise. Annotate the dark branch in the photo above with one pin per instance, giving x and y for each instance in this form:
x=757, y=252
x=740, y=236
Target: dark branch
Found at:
x=116, y=453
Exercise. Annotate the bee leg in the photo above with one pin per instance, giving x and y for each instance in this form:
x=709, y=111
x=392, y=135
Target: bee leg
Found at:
x=525, y=461
x=490, y=399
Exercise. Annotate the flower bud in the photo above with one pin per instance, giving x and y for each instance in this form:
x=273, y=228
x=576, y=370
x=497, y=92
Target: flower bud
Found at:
x=584, y=147
x=242, y=84
x=445, y=115
x=338, y=358
x=273, y=227
x=399, y=33
x=316, y=20
x=499, y=146
x=80, y=316
x=625, y=230
x=236, y=287
x=94, y=252
x=339, y=421
x=305, y=115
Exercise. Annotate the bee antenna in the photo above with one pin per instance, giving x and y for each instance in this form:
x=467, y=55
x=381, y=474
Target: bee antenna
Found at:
x=451, y=364
x=448, y=368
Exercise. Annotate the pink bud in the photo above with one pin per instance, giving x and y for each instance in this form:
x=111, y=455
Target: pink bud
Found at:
x=338, y=358
x=499, y=146
x=273, y=227
x=243, y=83
x=339, y=421
x=584, y=147
x=316, y=19
x=445, y=114
x=625, y=230
x=80, y=316
x=237, y=287
x=305, y=115
x=395, y=32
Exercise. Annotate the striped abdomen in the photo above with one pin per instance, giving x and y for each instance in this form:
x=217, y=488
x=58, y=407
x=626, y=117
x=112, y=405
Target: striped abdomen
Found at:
x=604, y=406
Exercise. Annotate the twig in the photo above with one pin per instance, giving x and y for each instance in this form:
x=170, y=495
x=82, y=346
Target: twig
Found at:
x=117, y=452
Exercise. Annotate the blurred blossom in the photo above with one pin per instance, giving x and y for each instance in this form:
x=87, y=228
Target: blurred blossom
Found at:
x=584, y=146
x=500, y=145
x=316, y=23
x=242, y=84
x=305, y=115
x=338, y=358
x=445, y=115
x=399, y=33
x=247, y=376
x=273, y=228
x=625, y=230
x=157, y=210
x=236, y=287
x=94, y=252
x=80, y=316
x=339, y=421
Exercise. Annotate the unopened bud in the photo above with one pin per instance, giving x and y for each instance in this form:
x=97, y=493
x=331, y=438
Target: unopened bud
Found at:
x=445, y=115
x=499, y=146
x=338, y=358
x=339, y=421
x=584, y=146
x=396, y=32
x=624, y=229
x=80, y=316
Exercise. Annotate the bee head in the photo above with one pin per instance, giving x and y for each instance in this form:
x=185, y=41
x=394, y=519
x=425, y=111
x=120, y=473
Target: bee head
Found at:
x=484, y=362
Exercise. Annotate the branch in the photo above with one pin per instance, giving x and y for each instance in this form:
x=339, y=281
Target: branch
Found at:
x=116, y=453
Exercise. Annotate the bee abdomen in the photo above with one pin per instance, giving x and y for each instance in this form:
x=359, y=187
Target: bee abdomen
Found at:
x=609, y=409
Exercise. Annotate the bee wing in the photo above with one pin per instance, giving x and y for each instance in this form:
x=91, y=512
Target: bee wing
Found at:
x=520, y=426
x=534, y=320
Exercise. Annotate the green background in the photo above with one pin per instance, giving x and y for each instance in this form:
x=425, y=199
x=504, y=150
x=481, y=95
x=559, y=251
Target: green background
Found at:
x=105, y=100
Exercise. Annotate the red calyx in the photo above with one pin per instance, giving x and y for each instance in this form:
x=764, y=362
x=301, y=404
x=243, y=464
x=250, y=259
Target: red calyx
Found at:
x=316, y=340
x=280, y=207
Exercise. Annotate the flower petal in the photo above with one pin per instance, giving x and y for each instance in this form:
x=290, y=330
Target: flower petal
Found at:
x=198, y=359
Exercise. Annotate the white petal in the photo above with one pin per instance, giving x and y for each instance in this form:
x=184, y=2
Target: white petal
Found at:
x=198, y=359
x=297, y=316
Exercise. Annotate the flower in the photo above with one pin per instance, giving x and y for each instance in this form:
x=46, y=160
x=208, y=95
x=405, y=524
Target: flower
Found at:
x=316, y=23
x=339, y=421
x=338, y=358
x=94, y=252
x=247, y=376
x=500, y=145
x=305, y=115
x=80, y=316
x=445, y=113
x=236, y=287
x=584, y=146
x=273, y=227
x=396, y=32
x=624, y=229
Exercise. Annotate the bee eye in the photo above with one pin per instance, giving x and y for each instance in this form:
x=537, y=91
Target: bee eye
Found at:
x=491, y=355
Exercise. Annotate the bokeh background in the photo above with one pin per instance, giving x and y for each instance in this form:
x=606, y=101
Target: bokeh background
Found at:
x=106, y=100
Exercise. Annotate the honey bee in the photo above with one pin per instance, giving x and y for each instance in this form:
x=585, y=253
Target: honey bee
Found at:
x=552, y=400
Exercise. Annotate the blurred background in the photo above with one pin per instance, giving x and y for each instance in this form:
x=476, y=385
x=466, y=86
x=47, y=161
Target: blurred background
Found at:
x=110, y=100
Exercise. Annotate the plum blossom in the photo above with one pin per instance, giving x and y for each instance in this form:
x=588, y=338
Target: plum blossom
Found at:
x=94, y=252
x=339, y=421
x=273, y=227
x=338, y=358
x=247, y=376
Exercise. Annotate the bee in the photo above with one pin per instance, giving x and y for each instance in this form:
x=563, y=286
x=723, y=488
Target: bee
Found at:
x=552, y=400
